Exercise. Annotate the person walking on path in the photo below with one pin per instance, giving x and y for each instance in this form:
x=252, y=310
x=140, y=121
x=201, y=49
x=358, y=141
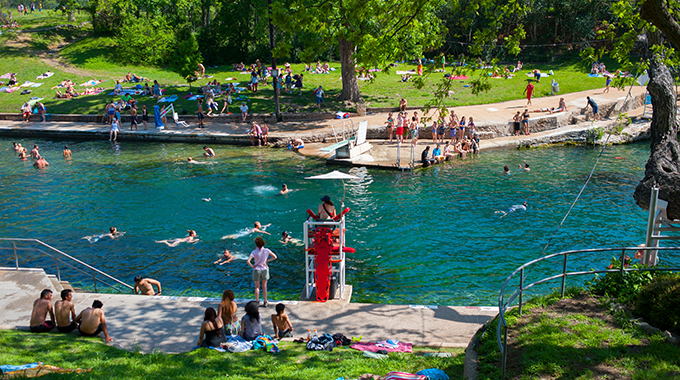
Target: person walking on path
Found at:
x=528, y=91
x=591, y=103
x=258, y=260
x=607, y=84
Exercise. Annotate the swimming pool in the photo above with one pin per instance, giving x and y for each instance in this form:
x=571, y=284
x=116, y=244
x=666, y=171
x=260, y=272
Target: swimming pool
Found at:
x=430, y=237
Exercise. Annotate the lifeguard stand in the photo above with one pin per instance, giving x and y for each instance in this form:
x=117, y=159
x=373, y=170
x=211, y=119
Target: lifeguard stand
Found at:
x=338, y=259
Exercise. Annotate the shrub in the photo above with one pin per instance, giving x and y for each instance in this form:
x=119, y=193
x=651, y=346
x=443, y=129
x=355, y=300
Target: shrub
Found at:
x=145, y=43
x=624, y=288
x=659, y=303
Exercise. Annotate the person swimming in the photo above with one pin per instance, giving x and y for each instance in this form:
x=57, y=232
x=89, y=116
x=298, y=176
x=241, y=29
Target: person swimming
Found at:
x=192, y=161
x=175, y=242
x=506, y=170
x=225, y=258
x=514, y=208
x=285, y=238
x=525, y=167
x=259, y=228
x=113, y=233
x=284, y=189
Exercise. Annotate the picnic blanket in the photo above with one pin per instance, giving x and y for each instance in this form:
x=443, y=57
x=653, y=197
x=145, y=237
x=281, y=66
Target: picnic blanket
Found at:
x=127, y=91
x=34, y=100
x=372, y=347
x=35, y=370
x=44, y=76
x=6, y=76
x=167, y=99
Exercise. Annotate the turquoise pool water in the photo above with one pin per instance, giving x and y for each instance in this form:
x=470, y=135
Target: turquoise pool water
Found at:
x=430, y=237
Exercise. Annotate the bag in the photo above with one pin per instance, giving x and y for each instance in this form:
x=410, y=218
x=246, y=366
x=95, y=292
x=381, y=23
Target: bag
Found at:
x=341, y=340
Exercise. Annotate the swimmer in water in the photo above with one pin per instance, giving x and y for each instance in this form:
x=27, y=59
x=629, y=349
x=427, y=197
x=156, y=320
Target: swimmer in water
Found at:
x=41, y=163
x=175, y=242
x=514, y=208
x=506, y=170
x=285, y=238
x=192, y=161
x=225, y=258
x=260, y=229
x=67, y=152
x=113, y=233
x=525, y=167
x=284, y=189
x=208, y=152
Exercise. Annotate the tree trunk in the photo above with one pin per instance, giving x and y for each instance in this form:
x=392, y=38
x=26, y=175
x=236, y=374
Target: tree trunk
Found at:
x=662, y=168
x=350, y=86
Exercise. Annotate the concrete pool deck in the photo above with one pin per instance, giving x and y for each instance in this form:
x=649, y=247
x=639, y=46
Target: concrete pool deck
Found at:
x=172, y=324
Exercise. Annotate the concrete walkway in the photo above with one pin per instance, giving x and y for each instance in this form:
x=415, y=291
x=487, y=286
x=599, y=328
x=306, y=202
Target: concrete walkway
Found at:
x=172, y=324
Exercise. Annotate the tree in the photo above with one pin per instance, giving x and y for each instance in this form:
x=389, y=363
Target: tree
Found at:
x=187, y=56
x=68, y=7
x=146, y=43
x=367, y=33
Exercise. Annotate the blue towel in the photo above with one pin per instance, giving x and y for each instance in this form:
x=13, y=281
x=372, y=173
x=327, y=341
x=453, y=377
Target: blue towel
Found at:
x=6, y=368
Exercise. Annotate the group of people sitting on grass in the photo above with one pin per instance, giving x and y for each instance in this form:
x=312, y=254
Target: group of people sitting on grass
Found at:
x=598, y=68
x=218, y=325
x=90, y=321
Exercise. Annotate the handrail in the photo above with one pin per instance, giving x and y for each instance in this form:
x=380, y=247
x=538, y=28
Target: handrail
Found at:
x=58, y=260
x=503, y=305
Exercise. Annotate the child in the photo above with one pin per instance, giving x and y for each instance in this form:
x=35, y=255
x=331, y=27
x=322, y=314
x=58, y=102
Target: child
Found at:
x=282, y=326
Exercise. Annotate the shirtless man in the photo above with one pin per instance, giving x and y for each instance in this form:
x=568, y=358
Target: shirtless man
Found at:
x=65, y=312
x=92, y=321
x=67, y=152
x=284, y=189
x=225, y=258
x=145, y=286
x=41, y=307
x=35, y=152
x=208, y=152
x=192, y=161
x=175, y=242
x=41, y=163
x=260, y=229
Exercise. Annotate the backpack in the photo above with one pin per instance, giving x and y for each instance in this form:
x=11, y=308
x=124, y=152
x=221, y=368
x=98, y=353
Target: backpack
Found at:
x=341, y=340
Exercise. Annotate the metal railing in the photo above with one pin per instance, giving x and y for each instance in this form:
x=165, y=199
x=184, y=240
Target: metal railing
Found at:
x=20, y=246
x=503, y=304
x=348, y=129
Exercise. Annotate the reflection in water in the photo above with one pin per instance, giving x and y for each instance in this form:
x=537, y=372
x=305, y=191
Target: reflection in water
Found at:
x=430, y=236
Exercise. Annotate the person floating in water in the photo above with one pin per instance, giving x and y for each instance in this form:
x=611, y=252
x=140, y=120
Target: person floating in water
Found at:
x=284, y=189
x=192, y=161
x=225, y=258
x=285, y=238
x=525, y=167
x=175, y=242
x=512, y=209
x=260, y=229
x=113, y=233
x=506, y=170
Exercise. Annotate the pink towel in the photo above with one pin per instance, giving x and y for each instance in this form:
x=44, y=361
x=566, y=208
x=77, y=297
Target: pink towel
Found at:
x=455, y=77
x=402, y=347
x=6, y=76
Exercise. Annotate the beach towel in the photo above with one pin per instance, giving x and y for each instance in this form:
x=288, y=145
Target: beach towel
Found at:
x=232, y=78
x=92, y=82
x=543, y=75
x=37, y=84
x=36, y=370
x=394, y=375
x=242, y=73
x=34, y=100
x=236, y=343
x=367, y=346
x=266, y=342
x=194, y=97
x=458, y=77
x=126, y=91
x=595, y=75
x=44, y=76
x=6, y=76
x=27, y=84
x=168, y=99
x=434, y=374
x=402, y=72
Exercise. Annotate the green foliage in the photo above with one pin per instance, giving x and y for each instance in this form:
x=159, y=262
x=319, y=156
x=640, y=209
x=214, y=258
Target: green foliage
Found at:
x=145, y=43
x=624, y=288
x=187, y=56
x=658, y=303
x=109, y=15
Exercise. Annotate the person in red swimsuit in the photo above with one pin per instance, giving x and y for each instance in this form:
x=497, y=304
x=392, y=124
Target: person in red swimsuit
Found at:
x=529, y=90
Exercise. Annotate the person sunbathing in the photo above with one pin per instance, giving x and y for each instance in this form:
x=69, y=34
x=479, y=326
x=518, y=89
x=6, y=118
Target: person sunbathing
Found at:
x=127, y=77
x=548, y=110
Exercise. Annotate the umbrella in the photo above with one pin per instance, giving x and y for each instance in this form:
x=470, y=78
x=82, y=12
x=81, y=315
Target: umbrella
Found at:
x=336, y=175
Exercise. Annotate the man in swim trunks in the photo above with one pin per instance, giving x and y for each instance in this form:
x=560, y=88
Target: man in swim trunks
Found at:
x=528, y=91
x=133, y=117
x=41, y=163
x=41, y=307
x=591, y=103
x=92, y=321
x=65, y=312
x=35, y=152
x=208, y=152
x=145, y=286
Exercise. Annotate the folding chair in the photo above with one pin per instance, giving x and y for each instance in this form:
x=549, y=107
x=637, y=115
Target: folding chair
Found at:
x=179, y=122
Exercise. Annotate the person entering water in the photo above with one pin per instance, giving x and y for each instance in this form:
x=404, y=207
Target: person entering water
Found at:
x=514, y=208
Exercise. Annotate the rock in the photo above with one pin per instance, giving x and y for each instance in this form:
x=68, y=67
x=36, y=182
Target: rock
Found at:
x=671, y=337
x=649, y=329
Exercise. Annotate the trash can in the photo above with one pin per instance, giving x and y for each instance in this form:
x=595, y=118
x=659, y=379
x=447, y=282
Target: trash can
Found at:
x=555, y=87
x=334, y=286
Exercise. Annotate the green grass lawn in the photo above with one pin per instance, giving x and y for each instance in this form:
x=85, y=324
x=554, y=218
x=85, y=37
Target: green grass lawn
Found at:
x=294, y=362
x=550, y=341
x=92, y=57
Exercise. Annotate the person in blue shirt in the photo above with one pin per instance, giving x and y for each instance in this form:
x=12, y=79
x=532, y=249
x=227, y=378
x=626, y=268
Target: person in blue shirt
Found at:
x=436, y=153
